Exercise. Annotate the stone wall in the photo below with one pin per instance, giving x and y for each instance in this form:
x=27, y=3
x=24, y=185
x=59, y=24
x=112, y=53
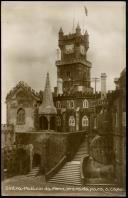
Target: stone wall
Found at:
x=15, y=160
x=56, y=149
x=7, y=135
x=51, y=146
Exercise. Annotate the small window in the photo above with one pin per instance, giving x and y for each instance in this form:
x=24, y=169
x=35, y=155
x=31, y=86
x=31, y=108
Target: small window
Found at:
x=21, y=116
x=71, y=104
x=71, y=121
x=58, y=121
x=85, y=103
x=69, y=74
x=85, y=121
x=68, y=104
x=95, y=123
x=58, y=105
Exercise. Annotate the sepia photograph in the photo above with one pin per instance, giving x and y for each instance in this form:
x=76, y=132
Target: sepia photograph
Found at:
x=63, y=80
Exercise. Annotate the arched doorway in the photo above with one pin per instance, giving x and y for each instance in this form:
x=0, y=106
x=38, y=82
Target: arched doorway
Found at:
x=36, y=160
x=43, y=123
x=52, y=123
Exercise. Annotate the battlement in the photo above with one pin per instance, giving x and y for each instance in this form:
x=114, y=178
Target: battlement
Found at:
x=7, y=127
x=72, y=61
x=73, y=36
x=76, y=94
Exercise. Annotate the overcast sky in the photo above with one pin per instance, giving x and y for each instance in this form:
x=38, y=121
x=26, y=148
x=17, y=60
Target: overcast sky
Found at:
x=30, y=39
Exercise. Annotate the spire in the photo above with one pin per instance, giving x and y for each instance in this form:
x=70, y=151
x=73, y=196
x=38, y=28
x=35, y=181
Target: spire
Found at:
x=47, y=106
x=86, y=33
x=78, y=30
x=78, y=26
x=61, y=32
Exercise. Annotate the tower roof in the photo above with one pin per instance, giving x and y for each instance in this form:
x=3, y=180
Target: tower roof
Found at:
x=61, y=31
x=86, y=32
x=47, y=106
x=78, y=30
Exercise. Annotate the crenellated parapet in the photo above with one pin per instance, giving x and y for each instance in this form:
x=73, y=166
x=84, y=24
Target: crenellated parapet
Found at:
x=77, y=37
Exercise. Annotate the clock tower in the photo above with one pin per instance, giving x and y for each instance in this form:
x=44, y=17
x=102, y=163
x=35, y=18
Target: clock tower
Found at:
x=73, y=67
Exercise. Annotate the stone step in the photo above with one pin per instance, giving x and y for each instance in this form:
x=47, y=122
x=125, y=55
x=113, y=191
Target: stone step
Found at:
x=70, y=167
x=82, y=149
x=33, y=172
x=81, y=153
x=69, y=171
x=73, y=162
x=61, y=177
x=66, y=182
x=77, y=174
x=73, y=181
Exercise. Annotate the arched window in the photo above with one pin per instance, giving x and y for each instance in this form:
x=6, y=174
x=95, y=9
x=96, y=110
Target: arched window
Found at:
x=58, y=121
x=70, y=104
x=21, y=116
x=58, y=105
x=71, y=121
x=85, y=103
x=95, y=123
x=85, y=121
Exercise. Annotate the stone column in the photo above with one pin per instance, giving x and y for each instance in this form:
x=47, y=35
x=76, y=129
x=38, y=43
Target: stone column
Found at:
x=77, y=119
x=48, y=118
x=31, y=156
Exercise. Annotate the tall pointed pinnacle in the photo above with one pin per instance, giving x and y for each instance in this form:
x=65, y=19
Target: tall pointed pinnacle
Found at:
x=47, y=106
x=78, y=30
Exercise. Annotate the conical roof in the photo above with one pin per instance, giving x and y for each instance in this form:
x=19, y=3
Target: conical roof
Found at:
x=47, y=106
x=61, y=30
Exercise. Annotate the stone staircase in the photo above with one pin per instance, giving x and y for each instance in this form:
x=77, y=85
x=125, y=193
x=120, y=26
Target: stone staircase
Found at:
x=34, y=172
x=70, y=172
x=83, y=149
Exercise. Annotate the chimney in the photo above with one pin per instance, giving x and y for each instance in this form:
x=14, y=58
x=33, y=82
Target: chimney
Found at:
x=59, y=86
x=116, y=81
x=103, y=85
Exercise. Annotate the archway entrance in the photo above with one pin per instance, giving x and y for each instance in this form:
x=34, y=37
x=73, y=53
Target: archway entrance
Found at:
x=43, y=123
x=36, y=160
x=52, y=123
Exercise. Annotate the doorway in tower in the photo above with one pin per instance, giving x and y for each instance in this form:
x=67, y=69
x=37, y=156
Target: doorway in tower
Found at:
x=36, y=160
x=52, y=123
x=43, y=123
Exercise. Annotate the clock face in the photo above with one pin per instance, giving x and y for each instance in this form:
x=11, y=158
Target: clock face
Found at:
x=69, y=49
x=82, y=50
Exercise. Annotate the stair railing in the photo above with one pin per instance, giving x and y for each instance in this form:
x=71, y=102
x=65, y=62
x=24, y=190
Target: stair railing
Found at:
x=56, y=168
